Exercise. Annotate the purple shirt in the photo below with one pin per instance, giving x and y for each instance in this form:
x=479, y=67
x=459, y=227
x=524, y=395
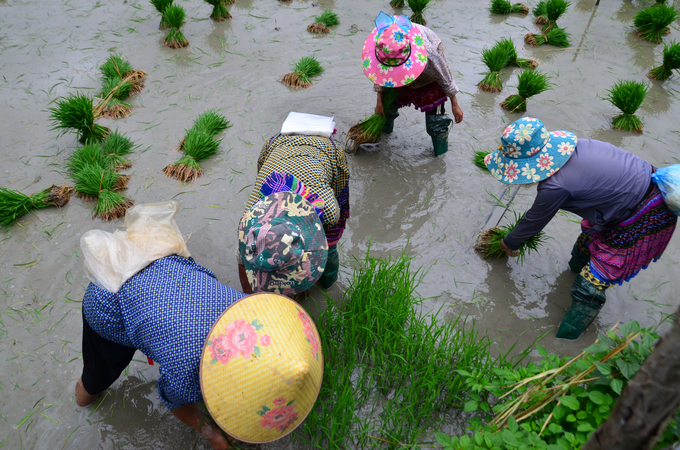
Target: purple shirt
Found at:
x=600, y=182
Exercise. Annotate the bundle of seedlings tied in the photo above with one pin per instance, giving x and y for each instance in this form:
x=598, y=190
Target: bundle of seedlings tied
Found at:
x=306, y=68
x=553, y=11
x=505, y=7
x=489, y=242
x=220, y=11
x=513, y=59
x=174, y=17
x=77, y=113
x=199, y=144
x=495, y=58
x=627, y=96
x=115, y=92
x=653, y=23
x=555, y=36
x=323, y=22
x=14, y=204
x=478, y=159
x=671, y=61
x=530, y=83
x=109, y=154
x=540, y=13
x=369, y=131
x=418, y=7
x=118, y=67
x=161, y=6
x=95, y=182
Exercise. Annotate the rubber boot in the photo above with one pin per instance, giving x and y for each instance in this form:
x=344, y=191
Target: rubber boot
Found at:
x=586, y=302
x=437, y=126
x=578, y=259
x=389, y=121
x=330, y=272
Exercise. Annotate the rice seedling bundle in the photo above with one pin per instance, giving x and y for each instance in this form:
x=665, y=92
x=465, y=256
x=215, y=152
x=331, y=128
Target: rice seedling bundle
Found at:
x=369, y=130
x=505, y=7
x=555, y=36
x=161, y=6
x=220, y=11
x=397, y=3
x=489, y=242
x=306, y=68
x=114, y=93
x=627, y=96
x=530, y=83
x=540, y=13
x=418, y=7
x=114, y=149
x=322, y=23
x=90, y=154
x=100, y=183
x=495, y=58
x=174, y=17
x=478, y=159
x=553, y=11
x=199, y=144
x=76, y=113
x=652, y=23
x=14, y=204
x=671, y=62
x=513, y=59
x=118, y=67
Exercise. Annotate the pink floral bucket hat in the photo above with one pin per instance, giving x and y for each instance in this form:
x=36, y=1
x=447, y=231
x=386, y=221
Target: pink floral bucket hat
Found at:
x=529, y=152
x=394, y=54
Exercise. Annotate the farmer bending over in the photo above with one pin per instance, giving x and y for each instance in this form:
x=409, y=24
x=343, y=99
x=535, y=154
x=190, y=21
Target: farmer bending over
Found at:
x=626, y=224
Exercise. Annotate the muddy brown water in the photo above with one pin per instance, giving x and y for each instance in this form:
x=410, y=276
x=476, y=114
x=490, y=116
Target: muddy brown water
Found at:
x=400, y=195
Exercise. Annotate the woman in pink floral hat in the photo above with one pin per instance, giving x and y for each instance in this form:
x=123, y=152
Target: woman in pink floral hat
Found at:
x=410, y=58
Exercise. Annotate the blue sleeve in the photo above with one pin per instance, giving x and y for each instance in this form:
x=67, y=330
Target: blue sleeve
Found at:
x=175, y=392
x=546, y=205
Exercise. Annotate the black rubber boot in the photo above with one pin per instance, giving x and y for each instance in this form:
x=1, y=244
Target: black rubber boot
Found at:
x=389, y=121
x=330, y=272
x=579, y=258
x=586, y=301
x=437, y=126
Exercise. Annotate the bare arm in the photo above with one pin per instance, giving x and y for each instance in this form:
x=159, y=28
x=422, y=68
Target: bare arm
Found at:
x=456, y=110
x=192, y=417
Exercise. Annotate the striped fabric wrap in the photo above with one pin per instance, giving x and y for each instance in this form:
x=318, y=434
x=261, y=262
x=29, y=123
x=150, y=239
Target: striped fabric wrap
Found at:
x=285, y=182
x=619, y=252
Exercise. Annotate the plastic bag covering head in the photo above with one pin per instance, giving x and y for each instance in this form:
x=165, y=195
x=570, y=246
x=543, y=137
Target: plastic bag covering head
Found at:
x=153, y=229
x=668, y=180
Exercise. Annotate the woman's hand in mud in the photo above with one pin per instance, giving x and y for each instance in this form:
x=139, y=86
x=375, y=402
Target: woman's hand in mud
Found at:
x=507, y=250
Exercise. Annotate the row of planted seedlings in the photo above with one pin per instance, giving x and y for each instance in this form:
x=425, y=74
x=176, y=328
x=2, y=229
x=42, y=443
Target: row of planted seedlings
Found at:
x=389, y=373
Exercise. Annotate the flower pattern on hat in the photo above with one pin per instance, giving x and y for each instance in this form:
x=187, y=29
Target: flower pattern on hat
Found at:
x=239, y=338
x=280, y=417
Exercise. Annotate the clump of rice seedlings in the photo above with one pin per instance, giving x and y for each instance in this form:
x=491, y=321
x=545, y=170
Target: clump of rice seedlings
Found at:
x=369, y=130
x=553, y=11
x=96, y=182
x=174, y=16
x=306, y=68
x=495, y=58
x=513, y=59
x=540, y=13
x=418, y=7
x=530, y=83
x=397, y=3
x=671, y=62
x=118, y=67
x=114, y=93
x=211, y=122
x=505, y=7
x=161, y=6
x=14, y=204
x=489, y=242
x=76, y=112
x=90, y=154
x=323, y=22
x=220, y=11
x=555, y=36
x=627, y=96
x=114, y=149
x=198, y=147
x=652, y=23
x=478, y=159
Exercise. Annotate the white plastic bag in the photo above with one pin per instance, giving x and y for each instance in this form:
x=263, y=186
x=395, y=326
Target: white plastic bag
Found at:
x=309, y=124
x=113, y=258
x=668, y=180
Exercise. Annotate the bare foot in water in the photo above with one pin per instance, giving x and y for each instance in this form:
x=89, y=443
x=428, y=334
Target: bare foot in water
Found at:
x=83, y=398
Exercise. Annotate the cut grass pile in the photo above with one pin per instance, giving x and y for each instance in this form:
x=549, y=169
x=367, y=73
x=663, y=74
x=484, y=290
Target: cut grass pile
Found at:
x=76, y=113
x=513, y=58
x=198, y=144
x=530, y=83
x=323, y=22
x=369, y=130
x=555, y=36
x=418, y=7
x=505, y=7
x=671, y=62
x=495, y=58
x=489, y=242
x=304, y=70
x=14, y=204
x=220, y=11
x=389, y=374
x=628, y=97
x=174, y=17
x=161, y=6
x=653, y=23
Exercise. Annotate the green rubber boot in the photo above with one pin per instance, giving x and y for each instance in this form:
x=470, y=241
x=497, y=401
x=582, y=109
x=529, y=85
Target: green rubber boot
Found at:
x=389, y=121
x=587, y=301
x=330, y=272
x=578, y=259
x=437, y=126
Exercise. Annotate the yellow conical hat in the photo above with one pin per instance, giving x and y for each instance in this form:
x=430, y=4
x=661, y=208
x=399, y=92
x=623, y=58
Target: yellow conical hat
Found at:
x=261, y=368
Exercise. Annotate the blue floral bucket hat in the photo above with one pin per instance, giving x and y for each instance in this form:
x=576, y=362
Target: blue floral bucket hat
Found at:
x=529, y=152
x=282, y=244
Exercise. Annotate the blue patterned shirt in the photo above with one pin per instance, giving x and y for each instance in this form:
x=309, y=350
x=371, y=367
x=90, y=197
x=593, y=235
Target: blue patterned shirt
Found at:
x=166, y=311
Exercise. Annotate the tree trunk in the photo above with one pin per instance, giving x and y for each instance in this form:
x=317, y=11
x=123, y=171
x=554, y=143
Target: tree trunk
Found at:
x=648, y=402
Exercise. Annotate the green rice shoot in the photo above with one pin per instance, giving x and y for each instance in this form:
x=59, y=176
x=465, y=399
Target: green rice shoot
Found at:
x=161, y=6
x=90, y=154
x=111, y=205
x=553, y=11
x=513, y=59
x=369, y=130
x=489, y=242
x=495, y=58
x=328, y=18
x=530, y=83
x=211, y=122
x=505, y=7
x=654, y=22
x=555, y=36
x=478, y=159
x=671, y=62
x=115, y=147
x=628, y=97
x=90, y=179
x=418, y=7
x=174, y=16
x=116, y=66
x=14, y=204
x=304, y=70
x=199, y=144
x=76, y=113
x=220, y=11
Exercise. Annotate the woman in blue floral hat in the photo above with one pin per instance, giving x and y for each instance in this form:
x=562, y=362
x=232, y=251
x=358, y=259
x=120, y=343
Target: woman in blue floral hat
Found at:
x=626, y=224
x=410, y=57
